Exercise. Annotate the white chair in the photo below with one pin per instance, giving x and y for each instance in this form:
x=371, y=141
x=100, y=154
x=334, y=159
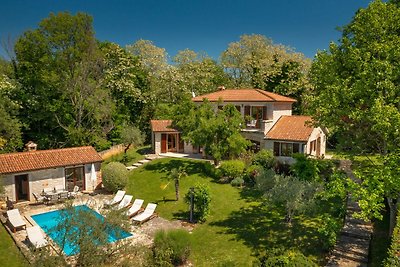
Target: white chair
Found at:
x=135, y=208
x=117, y=198
x=36, y=237
x=74, y=192
x=38, y=198
x=125, y=202
x=15, y=219
x=147, y=214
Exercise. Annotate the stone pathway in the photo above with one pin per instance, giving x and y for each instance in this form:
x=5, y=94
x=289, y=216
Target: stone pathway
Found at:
x=352, y=247
x=147, y=159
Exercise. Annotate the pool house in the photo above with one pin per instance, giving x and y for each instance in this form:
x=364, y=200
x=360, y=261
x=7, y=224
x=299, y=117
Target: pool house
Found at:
x=25, y=173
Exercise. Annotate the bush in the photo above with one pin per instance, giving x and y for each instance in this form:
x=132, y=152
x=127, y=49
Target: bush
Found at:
x=284, y=258
x=329, y=232
x=171, y=248
x=264, y=158
x=115, y=176
x=232, y=168
x=238, y=181
x=305, y=169
x=393, y=258
x=202, y=199
x=251, y=173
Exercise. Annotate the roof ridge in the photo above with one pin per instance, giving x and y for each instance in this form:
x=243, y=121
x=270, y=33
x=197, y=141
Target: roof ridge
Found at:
x=263, y=92
x=45, y=151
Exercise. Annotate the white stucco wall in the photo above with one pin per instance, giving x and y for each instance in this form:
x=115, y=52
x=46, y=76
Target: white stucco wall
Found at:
x=317, y=132
x=157, y=143
x=280, y=109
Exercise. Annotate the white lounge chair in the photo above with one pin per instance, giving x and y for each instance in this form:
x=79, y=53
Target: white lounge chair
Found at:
x=15, y=219
x=117, y=198
x=125, y=202
x=36, y=237
x=147, y=214
x=38, y=198
x=135, y=208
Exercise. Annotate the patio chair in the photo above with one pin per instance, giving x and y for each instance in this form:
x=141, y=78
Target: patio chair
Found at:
x=36, y=237
x=117, y=198
x=62, y=196
x=74, y=192
x=51, y=199
x=146, y=215
x=38, y=198
x=135, y=208
x=125, y=202
x=15, y=219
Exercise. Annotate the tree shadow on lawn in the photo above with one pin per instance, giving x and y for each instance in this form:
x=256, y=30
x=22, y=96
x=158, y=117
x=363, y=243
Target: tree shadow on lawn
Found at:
x=190, y=167
x=261, y=227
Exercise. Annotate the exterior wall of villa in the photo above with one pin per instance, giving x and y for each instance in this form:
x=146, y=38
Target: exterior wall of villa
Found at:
x=280, y=109
x=48, y=178
x=38, y=180
x=317, y=134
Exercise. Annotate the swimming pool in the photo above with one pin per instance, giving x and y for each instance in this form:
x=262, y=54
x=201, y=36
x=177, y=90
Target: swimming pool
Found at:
x=49, y=222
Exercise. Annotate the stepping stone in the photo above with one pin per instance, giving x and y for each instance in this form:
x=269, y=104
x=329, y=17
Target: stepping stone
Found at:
x=129, y=168
x=143, y=161
x=137, y=164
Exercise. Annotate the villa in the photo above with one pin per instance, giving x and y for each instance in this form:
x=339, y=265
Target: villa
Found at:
x=25, y=173
x=269, y=125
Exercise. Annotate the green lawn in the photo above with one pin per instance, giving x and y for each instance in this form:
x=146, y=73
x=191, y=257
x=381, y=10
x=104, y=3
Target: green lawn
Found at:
x=240, y=224
x=133, y=155
x=10, y=256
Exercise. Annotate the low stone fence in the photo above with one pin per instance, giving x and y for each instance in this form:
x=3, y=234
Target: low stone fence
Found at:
x=114, y=150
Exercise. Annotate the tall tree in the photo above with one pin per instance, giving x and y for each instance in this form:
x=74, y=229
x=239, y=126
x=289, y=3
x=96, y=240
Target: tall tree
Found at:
x=59, y=67
x=357, y=95
x=255, y=61
x=218, y=132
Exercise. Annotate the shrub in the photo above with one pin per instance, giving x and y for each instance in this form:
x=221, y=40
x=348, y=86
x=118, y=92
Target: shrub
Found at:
x=393, y=258
x=232, y=168
x=201, y=199
x=264, y=158
x=305, y=169
x=251, y=173
x=115, y=176
x=238, y=181
x=329, y=232
x=284, y=258
x=171, y=248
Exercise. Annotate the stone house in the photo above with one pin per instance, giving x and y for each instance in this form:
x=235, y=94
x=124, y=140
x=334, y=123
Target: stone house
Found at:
x=269, y=125
x=24, y=173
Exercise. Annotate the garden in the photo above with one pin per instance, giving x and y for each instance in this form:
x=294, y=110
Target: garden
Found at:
x=243, y=226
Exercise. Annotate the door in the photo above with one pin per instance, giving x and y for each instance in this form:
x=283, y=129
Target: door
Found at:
x=172, y=143
x=21, y=187
x=181, y=144
x=74, y=176
x=163, y=143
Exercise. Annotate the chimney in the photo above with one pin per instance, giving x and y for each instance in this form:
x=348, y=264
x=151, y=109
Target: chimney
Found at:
x=30, y=146
x=221, y=88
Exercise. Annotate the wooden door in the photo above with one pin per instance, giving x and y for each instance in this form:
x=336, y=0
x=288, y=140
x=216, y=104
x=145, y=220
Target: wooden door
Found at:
x=318, y=153
x=163, y=143
x=21, y=187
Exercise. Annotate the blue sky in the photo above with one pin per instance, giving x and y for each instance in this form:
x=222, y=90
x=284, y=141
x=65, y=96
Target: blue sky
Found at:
x=206, y=25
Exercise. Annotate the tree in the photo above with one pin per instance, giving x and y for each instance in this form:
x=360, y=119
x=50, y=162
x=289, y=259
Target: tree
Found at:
x=130, y=135
x=59, y=67
x=201, y=201
x=357, y=96
x=10, y=126
x=255, y=61
x=217, y=131
x=356, y=91
x=295, y=195
x=176, y=175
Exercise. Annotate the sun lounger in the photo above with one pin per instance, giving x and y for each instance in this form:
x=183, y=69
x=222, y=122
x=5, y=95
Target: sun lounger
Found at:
x=117, y=198
x=135, y=208
x=125, y=202
x=15, y=219
x=36, y=237
x=39, y=199
x=147, y=214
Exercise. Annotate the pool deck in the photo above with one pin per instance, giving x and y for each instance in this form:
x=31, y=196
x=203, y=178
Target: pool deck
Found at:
x=142, y=235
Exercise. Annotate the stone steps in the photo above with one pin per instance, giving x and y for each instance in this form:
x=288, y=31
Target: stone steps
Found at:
x=141, y=162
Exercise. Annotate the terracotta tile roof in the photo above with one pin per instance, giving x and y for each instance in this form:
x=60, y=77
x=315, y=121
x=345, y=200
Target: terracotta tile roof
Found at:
x=243, y=95
x=162, y=126
x=46, y=159
x=292, y=128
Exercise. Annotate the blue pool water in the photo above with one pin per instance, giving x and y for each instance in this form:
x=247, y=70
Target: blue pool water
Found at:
x=49, y=221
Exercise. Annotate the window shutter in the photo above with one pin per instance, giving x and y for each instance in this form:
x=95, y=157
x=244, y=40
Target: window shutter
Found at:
x=296, y=148
x=276, y=149
x=247, y=110
x=264, y=112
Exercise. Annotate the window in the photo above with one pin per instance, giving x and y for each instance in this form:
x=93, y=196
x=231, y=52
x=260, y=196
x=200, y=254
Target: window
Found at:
x=286, y=149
